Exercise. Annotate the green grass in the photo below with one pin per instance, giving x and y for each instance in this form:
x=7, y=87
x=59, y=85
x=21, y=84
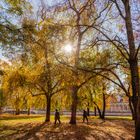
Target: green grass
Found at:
x=12, y=120
x=119, y=117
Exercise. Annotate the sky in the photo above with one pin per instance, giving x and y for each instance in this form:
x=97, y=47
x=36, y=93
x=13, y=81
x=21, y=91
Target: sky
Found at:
x=36, y=4
x=4, y=58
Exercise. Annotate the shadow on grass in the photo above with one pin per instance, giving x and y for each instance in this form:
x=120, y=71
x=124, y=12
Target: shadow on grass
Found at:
x=32, y=133
x=49, y=131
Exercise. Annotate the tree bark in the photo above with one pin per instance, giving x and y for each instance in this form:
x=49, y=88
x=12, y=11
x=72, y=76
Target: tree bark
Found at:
x=132, y=108
x=99, y=111
x=17, y=111
x=104, y=106
x=95, y=111
x=74, y=104
x=28, y=112
x=0, y=110
x=48, y=108
x=134, y=82
x=133, y=62
x=137, y=130
x=88, y=111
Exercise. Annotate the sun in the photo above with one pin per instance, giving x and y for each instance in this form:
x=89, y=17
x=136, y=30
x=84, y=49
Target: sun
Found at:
x=68, y=48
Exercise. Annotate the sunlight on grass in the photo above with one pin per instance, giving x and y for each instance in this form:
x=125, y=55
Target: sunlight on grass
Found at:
x=7, y=132
x=12, y=120
x=119, y=117
x=18, y=126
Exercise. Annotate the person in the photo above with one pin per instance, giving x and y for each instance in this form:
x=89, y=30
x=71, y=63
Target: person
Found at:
x=85, y=116
x=57, y=116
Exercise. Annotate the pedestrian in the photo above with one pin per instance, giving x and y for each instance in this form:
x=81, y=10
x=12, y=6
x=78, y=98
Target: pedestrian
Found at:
x=57, y=116
x=85, y=116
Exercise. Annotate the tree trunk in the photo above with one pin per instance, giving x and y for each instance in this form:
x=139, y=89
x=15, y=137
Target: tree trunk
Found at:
x=0, y=103
x=137, y=130
x=28, y=112
x=48, y=108
x=133, y=62
x=0, y=110
x=95, y=111
x=132, y=108
x=88, y=111
x=136, y=95
x=134, y=82
x=104, y=106
x=99, y=111
x=17, y=111
x=74, y=104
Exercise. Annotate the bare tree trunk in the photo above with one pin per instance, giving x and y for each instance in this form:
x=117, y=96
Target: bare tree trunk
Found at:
x=48, y=108
x=74, y=104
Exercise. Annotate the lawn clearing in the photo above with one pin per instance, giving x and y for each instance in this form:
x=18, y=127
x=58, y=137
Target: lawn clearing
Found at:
x=33, y=128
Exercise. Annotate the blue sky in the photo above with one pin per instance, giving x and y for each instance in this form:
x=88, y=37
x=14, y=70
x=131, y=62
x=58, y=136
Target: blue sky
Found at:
x=3, y=58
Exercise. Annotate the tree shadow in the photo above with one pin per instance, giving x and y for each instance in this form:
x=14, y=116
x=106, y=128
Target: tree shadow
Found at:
x=32, y=133
x=68, y=132
x=65, y=131
x=62, y=131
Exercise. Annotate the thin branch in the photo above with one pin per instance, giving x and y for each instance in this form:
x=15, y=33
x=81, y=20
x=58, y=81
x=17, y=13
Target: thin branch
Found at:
x=117, y=5
x=38, y=86
x=35, y=94
x=57, y=91
x=56, y=84
x=137, y=51
x=118, y=48
x=85, y=81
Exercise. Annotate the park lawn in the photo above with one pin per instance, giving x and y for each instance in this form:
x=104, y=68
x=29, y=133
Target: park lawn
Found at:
x=33, y=127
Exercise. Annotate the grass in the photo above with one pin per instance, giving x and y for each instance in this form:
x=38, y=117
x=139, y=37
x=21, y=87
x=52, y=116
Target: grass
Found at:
x=119, y=117
x=14, y=120
x=26, y=127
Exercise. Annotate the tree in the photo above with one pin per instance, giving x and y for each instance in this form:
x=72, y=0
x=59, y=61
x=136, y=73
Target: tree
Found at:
x=131, y=54
x=40, y=41
x=81, y=12
x=10, y=12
